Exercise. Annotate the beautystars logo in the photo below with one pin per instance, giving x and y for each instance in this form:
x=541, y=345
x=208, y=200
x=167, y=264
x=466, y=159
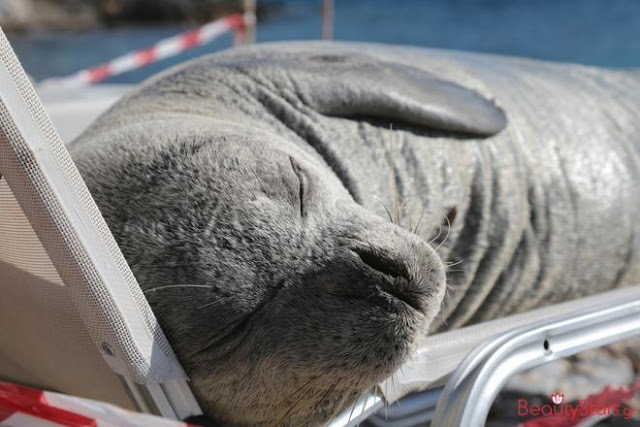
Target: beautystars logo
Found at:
x=609, y=402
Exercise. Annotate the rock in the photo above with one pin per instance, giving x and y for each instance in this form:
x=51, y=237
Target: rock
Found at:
x=20, y=15
x=118, y=11
x=15, y=12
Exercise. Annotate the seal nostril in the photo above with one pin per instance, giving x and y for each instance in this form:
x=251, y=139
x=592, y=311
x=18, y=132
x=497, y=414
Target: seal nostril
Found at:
x=383, y=264
x=403, y=290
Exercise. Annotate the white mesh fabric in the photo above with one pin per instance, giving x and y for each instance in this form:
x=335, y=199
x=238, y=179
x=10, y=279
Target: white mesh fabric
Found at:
x=48, y=188
x=43, y=340
x=19, y=246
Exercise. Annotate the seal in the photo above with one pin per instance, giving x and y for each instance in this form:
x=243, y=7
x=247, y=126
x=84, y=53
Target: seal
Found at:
x=248, y=191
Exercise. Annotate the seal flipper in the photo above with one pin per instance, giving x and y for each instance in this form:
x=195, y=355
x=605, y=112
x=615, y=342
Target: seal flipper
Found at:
x=358, y=85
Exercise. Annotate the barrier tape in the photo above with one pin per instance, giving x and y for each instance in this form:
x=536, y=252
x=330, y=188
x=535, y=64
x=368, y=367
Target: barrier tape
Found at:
x=22, y=406
x=165, y=48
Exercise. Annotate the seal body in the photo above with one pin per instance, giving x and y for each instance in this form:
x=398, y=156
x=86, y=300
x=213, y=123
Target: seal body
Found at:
x=251, y=192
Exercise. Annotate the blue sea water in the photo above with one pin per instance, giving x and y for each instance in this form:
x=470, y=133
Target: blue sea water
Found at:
x=597, y=32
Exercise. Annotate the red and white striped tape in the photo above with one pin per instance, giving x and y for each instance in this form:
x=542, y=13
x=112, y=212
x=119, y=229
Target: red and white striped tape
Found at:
x=27, y=407
x=163, y=49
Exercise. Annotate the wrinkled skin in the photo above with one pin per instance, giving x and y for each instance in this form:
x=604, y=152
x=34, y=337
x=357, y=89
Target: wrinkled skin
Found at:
x=300, y=292
x=248, y=191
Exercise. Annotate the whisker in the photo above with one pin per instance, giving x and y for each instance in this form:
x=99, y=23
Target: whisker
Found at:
x=388, y=213
x=297, y=401
x=444, y=318
x=328, y=392
x=366, y=400
x=386, y=409
x=212, y=303
x=311, y=414
x=393, y=385
x=386, y=393
x=357, y=399
x=436, y=237
x=393, y=183
x=338, y=406
x=325, y=395
x=415, y=231
x=353, y=408
x=453, y=264
x=430, y=230
x=176, y=286
x=313, y=378
x=447, y=236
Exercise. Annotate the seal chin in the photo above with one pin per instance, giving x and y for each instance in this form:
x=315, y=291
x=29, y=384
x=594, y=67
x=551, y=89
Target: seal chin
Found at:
x=358, y=294
x=350, y=323
x=399, y=290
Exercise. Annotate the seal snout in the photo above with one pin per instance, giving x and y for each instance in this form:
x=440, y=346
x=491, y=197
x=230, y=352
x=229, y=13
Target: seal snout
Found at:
x=382, y=263
x=397, y=274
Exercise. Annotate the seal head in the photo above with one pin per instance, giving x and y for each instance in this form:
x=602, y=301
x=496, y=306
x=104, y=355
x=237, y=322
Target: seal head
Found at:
x=283, y=297
x=278, y=292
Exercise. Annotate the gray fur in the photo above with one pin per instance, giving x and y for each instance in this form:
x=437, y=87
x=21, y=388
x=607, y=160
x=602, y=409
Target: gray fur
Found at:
x=291, y=309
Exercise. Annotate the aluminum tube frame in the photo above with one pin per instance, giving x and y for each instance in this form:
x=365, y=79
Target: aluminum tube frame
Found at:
x=474, y=385
x=172, y=399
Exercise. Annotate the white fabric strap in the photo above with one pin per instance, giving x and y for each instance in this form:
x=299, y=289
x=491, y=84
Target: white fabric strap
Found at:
x=49, y=189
